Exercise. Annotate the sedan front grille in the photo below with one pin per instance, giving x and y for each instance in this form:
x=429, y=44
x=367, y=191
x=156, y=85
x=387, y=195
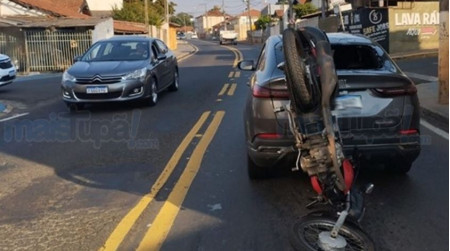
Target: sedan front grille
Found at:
x=110, y=95
x=99, y=80
x=7, y=78
x=6, y=64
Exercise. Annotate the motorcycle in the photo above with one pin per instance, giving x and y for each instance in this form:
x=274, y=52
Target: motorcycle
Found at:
x=312, y=85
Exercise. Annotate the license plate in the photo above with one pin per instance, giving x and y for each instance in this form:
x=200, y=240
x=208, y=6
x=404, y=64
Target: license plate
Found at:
x=348, y=101
x=96, y=89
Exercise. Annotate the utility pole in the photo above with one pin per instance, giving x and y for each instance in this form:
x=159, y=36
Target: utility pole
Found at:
x=146, y=17
x=205, y=23
x=224, y=17
x=250, y=21
x=443, y=52
x=168, y=21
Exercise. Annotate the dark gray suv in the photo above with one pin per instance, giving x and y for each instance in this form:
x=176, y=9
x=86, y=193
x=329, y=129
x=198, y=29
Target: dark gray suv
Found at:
x=121, y=68
x=377, y=108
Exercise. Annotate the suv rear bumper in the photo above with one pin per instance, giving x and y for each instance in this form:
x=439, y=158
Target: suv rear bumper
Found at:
x=268, y=153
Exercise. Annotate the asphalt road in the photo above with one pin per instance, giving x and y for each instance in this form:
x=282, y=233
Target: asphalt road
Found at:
x=174, y=176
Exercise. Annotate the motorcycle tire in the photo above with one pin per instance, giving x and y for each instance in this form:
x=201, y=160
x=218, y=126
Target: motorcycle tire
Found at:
x=305, y=234
x=300, y=94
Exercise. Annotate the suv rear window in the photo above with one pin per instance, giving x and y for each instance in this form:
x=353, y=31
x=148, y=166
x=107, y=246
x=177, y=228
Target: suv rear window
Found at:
x=356, y=57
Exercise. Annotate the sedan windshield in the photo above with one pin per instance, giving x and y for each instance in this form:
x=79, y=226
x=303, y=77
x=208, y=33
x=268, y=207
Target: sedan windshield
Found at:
x=117, y=51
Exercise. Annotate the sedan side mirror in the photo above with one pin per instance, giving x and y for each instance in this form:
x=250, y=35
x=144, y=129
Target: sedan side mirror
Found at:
x=161, y=56
x=281, y=66
x=246, y=65
x=76, y=59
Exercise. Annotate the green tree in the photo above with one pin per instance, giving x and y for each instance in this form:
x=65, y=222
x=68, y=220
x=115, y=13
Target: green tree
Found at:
x=134, y=11
x=263, y=22
x=182, y=19
x=215, y=8
x=304, y=9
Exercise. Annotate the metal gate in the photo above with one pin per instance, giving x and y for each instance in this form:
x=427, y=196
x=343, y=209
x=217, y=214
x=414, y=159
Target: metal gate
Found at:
x=12, y=45
x=54, y=50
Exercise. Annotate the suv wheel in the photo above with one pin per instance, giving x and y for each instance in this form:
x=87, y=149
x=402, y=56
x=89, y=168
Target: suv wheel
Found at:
x=399, y=167
x=255, y=171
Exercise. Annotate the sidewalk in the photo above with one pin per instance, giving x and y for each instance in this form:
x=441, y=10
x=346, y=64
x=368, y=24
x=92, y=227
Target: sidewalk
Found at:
x=184, y=49
x=428, y=92
x=428, y=98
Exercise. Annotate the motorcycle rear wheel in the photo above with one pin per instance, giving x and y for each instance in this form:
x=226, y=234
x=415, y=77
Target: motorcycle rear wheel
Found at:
x=305, y=234
x=300, y=93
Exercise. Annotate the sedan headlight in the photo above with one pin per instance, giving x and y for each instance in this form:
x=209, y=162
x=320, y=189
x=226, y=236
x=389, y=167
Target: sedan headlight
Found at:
x=67, y=77
x=137, y=74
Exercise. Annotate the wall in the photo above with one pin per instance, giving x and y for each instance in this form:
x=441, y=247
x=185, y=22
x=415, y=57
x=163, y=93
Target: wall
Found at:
x=241, y=30
x=414, y=26
x=103, y=30
x=104, y=5
x=8, y=8
x=313, y=21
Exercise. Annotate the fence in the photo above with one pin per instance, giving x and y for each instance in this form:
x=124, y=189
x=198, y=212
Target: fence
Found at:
x=44, y=50
x=54, y=51
x=10, y=45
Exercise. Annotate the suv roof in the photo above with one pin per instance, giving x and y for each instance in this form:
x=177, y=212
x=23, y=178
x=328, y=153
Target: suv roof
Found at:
x=346, y=38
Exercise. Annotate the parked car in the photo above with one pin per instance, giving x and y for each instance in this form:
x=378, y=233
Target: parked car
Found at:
x=121, y=68
x=181, y=36
x=378, y=114
x=7, y=70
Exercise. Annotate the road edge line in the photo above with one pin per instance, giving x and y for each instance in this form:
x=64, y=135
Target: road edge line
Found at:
x=14, y=117
x=434, y=129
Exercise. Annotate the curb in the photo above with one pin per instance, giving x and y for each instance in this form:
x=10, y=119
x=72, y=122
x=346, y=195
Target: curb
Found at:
x=414, y=55
x=37, y=76
x=184, y=56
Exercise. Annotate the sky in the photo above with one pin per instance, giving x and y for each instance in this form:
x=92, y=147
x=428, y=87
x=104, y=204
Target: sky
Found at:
x=232, y=7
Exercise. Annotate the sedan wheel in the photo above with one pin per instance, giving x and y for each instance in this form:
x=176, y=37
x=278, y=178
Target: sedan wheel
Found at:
x=75, y=107
x=153, y=94
x=174, y=86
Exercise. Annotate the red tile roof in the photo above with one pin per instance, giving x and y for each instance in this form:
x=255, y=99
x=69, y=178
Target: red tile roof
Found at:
x=65, y=8
x=215, y=13
x=253, y=13
x=279, y=13
x=129, y=27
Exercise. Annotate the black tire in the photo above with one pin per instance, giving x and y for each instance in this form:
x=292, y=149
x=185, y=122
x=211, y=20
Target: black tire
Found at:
x=256, y=172
x=153, y=92
x=75, y=107
x=300, y=94
x=398, y=167
x=174, y=86
x=305, y=234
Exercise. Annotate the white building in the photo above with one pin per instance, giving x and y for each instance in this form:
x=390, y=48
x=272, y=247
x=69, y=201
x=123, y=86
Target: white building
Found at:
x=242, y=23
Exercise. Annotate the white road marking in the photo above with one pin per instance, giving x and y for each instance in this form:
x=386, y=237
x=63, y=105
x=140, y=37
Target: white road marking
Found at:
x=434, y=129
x=14, y=117
x=422, y=77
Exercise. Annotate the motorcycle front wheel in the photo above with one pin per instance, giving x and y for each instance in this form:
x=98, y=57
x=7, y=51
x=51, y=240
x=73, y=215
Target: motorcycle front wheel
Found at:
x=305, y=234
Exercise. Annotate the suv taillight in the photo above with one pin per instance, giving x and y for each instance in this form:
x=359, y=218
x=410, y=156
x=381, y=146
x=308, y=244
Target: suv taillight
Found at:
x=397, y=91
x=263, y=92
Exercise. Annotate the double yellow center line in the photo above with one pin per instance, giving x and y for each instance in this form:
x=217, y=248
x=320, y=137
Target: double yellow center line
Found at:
x=231, y=89
x=161, y=225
